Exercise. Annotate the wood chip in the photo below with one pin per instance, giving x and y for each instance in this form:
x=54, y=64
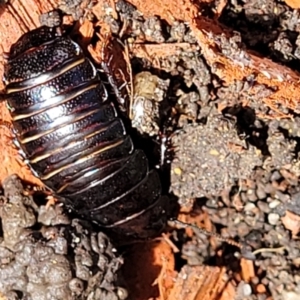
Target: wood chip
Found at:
x=293, y=3
x=291, y=222
x=198, y=283
x=247, y=268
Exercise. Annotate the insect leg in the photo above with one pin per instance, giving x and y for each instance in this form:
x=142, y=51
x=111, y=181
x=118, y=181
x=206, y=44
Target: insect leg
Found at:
x=245, y=251
x=107, y=66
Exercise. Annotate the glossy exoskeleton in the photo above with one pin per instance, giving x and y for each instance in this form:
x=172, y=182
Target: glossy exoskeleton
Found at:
x=68, y=131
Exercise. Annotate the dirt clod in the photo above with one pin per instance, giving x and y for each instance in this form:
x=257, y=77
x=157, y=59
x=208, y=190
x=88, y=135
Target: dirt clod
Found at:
x=59, y=258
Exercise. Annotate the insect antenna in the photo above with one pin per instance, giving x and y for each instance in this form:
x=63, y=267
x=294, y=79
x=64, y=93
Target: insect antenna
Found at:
x=245, y=251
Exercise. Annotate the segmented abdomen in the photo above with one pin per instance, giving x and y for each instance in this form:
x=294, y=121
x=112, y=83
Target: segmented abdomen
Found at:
x=69, y=131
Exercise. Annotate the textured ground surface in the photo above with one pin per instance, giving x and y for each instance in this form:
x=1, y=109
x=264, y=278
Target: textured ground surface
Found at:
x=225, y=87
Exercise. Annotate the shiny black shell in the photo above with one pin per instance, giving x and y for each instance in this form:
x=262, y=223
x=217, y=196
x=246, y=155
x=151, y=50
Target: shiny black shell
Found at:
x=68, y=131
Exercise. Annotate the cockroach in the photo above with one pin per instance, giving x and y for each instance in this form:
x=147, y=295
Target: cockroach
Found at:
x=68, y=130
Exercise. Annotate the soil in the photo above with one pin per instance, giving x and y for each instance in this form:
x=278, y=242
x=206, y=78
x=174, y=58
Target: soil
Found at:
x=213, y=87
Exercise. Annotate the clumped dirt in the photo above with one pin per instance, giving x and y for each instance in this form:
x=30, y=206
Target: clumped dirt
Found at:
x=45, y=254
x=217, y=97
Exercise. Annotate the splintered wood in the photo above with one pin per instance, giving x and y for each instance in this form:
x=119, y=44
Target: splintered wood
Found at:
x=237, y=65
x=199, y=283
x=149, y=270
x=153, y=274
x=293, y=3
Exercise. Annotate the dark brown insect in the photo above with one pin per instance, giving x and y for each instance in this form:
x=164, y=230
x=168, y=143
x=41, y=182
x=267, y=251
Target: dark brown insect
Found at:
x=69, y=132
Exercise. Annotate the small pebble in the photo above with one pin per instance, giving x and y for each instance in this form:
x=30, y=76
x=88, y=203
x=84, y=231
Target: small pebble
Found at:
x=263, y=206
x=249, y=207
x=177, y=171
x=287, y=295
x=274, y=203
x=261, y=288
x=243, y=290
x=273, y=218
x=251, y=195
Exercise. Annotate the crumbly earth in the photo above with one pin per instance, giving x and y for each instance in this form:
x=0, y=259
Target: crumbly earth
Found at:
x=203, y=150
x=231, y=159
x=235, y=164
x=46, y=255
